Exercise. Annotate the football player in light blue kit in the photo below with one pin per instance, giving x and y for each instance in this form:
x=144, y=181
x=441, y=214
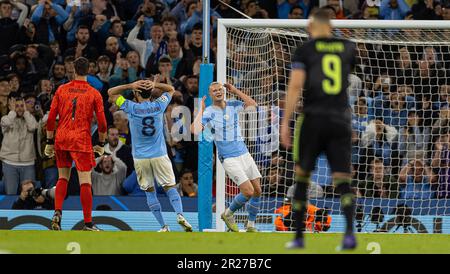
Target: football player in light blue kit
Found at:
x=221, y=119
x=146, y=118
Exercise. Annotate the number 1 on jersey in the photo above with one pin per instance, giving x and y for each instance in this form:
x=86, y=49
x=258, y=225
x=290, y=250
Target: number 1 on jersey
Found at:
x=74, y=107
x=332, y=69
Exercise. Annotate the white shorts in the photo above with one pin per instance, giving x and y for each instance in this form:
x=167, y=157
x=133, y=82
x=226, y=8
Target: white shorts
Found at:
x=241, y=169
x=149, y=170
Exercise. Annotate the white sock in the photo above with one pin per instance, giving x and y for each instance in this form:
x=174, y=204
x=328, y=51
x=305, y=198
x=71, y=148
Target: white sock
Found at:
x=228, y=212
x=250, y=223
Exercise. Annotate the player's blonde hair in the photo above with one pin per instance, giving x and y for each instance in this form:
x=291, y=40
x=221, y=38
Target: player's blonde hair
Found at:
x=213, y=84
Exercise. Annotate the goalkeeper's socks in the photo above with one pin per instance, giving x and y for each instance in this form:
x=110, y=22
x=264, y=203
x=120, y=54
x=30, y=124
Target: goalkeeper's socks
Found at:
x=347, y=202
x=300, y=203
x=155, y=207
x=175, y=200
x=253, y=208
x=60, y=193
x=238, y=202
x=86, y=201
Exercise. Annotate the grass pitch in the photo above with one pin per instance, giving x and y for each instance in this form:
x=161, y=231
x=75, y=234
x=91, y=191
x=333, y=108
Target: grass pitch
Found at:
x=42, y=242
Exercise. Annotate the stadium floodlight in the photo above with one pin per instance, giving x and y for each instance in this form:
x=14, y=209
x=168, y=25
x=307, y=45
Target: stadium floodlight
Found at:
x=405, y=58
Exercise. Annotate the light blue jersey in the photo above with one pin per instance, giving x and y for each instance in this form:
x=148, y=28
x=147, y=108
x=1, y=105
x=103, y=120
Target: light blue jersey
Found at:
x=223, y=124
x=147, y=126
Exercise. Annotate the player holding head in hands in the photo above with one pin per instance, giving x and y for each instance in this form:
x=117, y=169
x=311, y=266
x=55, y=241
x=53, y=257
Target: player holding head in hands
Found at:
x=146, y=117
x=321, y=67
x=222, y=120
x=75, y=103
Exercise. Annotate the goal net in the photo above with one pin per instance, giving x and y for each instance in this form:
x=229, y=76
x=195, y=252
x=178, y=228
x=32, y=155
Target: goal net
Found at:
x=399, y=94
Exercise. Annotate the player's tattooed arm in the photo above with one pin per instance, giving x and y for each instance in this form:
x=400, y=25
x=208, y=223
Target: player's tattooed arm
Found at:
x=248, y=101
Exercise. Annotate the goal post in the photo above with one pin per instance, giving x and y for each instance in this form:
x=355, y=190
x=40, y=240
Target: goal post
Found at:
x=255, y=55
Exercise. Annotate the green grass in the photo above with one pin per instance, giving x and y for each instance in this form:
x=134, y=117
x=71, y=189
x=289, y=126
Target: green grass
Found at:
x=228, y=243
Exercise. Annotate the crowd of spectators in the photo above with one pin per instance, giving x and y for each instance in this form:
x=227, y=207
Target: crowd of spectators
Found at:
x=126, y=40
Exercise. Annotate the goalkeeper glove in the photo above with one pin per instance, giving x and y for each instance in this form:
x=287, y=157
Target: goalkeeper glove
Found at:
x=49, y=150
x=99, y=149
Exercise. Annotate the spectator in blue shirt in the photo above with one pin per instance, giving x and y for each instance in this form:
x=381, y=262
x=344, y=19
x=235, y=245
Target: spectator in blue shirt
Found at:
x=414, y=138
x=77, y=16
x=285, y=7
x=360, y=117
x=183, y=10
x=392, y=109
x=418, y=181
x=393, y=9
x=154, y=47
x=380, y=140
x=48, y=18
x=197, y=17
x=114, y=28
x=297, y=12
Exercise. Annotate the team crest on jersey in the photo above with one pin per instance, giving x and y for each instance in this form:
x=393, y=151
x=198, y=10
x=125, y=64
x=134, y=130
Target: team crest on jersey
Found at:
x=226, y=117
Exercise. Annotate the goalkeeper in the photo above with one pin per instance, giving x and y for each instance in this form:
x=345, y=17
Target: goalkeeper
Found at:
x=75, y=103
x=321, y=66
x=317, y=219
x=221, y=119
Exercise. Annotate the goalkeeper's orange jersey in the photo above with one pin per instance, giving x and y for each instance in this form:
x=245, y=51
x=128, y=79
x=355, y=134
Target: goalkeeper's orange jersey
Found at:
x=286, y=211
x=311, y=220
x=75, y=103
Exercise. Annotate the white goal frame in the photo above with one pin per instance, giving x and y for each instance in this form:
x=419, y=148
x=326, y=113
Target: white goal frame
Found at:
x=222, y=26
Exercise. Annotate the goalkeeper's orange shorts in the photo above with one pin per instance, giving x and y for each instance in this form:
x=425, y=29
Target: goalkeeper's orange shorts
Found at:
x=84, y=161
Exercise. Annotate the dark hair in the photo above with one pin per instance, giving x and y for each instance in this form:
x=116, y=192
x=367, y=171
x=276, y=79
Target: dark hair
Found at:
x=296, y=7
x=146, y=93
x=38, y=87
x=191, y=76
x=81, y=65
x=4, y=79
x=69, y=59
x=164, y=59
x=169, y=18
x=5, y=2
x=198, y=26
x=16, y=96
x=189, y=5
x=21, y=56
x=59, y=64
x=186, y=170
x=103, y=58
x=82, y=27
x=117, y=21
x=179, y=39
x=12, y=75
x=29, y=95
x=249, y=2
